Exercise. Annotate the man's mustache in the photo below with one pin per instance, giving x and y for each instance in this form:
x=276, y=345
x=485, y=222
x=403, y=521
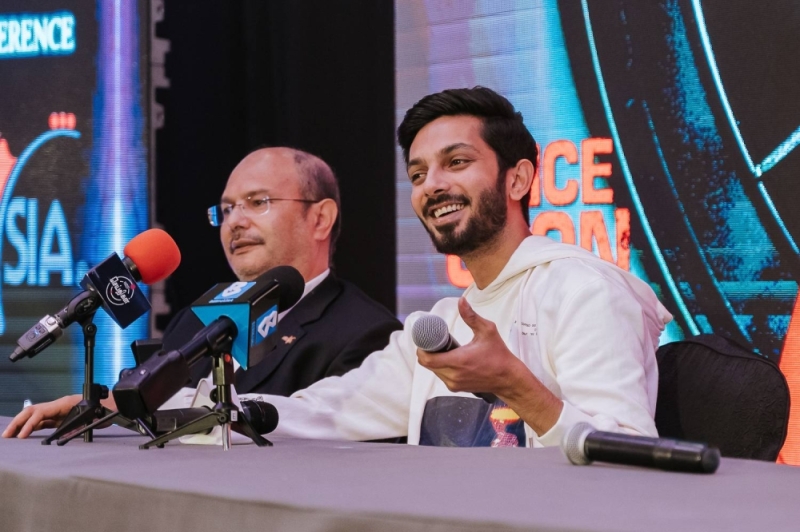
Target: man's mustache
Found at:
x=239, y=237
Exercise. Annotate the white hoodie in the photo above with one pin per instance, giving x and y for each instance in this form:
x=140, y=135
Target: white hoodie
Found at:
x=587, y=329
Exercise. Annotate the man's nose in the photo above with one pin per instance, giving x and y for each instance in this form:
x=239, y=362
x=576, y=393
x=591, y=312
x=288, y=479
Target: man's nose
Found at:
x=237, y=217
x=436, y=182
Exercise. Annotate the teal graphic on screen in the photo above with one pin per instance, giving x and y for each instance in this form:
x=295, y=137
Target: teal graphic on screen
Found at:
x=668, y=145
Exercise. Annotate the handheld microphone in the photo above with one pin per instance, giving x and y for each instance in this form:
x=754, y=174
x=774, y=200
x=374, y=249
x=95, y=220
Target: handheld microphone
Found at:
x=242, y=310
x=430, y=334
x=583, y=444
x=263, y=417
x=149, y=257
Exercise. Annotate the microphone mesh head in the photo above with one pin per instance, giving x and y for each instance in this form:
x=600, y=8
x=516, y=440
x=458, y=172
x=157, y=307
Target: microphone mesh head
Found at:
x=263, y=416
x=573, y=443
x=430, y=333
x=155, y=254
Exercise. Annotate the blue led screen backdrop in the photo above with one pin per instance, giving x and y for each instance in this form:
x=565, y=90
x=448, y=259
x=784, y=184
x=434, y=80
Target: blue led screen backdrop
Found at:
x=73, y=174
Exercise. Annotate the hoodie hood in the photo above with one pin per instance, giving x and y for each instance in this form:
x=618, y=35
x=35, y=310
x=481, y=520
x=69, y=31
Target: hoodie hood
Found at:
x=537, y=250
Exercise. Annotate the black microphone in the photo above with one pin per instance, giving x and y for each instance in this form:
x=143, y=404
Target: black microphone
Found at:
x=150, y=257
x=583, y=444
x=247, y=313
x=263, y=417
x=430, y=334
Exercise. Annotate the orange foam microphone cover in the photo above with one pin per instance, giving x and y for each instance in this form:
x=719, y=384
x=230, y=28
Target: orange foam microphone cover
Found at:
x=155, y=254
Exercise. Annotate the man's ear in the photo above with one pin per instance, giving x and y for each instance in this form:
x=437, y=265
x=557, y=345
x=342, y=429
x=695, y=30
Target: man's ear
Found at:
x=325, y=217
x=521, y=179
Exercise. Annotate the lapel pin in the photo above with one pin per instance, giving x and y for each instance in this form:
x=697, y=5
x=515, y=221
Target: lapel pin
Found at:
x=288, y=339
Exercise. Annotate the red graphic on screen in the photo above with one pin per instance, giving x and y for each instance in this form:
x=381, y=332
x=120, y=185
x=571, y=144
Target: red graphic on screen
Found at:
x=589, y=230
x=7, y=162
x=62, y=121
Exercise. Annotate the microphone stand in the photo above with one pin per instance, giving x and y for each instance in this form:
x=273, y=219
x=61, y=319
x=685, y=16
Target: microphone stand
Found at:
x=224, y=412
x=83, y=417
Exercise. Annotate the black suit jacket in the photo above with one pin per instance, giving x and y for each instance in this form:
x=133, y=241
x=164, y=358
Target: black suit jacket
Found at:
x=329, y=332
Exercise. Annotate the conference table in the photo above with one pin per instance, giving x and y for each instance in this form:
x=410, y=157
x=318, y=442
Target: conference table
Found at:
x=112, y=485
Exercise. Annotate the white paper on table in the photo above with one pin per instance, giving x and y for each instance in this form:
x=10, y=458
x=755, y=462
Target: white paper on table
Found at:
x=202, y=397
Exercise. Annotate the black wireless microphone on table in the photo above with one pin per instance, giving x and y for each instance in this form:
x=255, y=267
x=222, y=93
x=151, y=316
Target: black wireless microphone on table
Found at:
x=583, y=444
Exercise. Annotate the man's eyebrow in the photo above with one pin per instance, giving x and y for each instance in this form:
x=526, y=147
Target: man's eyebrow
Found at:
x=444, y=151
x=457, y=146
x=256, y=192
x=413, y=162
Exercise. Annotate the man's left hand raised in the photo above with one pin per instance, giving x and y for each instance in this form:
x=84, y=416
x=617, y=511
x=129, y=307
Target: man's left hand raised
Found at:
x=487, y=365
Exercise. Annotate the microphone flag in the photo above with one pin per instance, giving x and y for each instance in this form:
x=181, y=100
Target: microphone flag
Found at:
x=122, y=298
x=252, y=306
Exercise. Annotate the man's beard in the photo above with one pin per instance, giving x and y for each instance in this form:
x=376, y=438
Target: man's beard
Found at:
x=486, y=223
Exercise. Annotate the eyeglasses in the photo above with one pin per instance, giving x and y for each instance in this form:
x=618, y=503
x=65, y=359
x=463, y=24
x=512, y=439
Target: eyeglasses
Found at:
x=250, y=206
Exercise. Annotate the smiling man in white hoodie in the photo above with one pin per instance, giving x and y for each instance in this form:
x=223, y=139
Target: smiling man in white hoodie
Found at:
x=556, y=334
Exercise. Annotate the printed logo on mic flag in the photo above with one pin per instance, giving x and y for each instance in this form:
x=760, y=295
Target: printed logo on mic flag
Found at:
x=119, y=290
x=232, y=292
x=264, y=326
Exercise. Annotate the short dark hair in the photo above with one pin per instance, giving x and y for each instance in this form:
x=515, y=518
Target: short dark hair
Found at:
x=503, y=129
x=319, y=183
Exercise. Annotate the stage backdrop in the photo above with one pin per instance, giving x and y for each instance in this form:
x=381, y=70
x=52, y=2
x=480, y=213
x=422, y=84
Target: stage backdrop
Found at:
x=668, y=133
x=73, y=176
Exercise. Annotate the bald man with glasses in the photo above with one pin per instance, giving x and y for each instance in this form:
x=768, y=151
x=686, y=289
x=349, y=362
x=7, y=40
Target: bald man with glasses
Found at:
x=280, y=207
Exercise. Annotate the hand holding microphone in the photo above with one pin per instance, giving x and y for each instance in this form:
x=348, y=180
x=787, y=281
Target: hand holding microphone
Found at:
x=430, y=333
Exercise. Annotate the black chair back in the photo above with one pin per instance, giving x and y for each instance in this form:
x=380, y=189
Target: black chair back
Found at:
x=712, y=390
